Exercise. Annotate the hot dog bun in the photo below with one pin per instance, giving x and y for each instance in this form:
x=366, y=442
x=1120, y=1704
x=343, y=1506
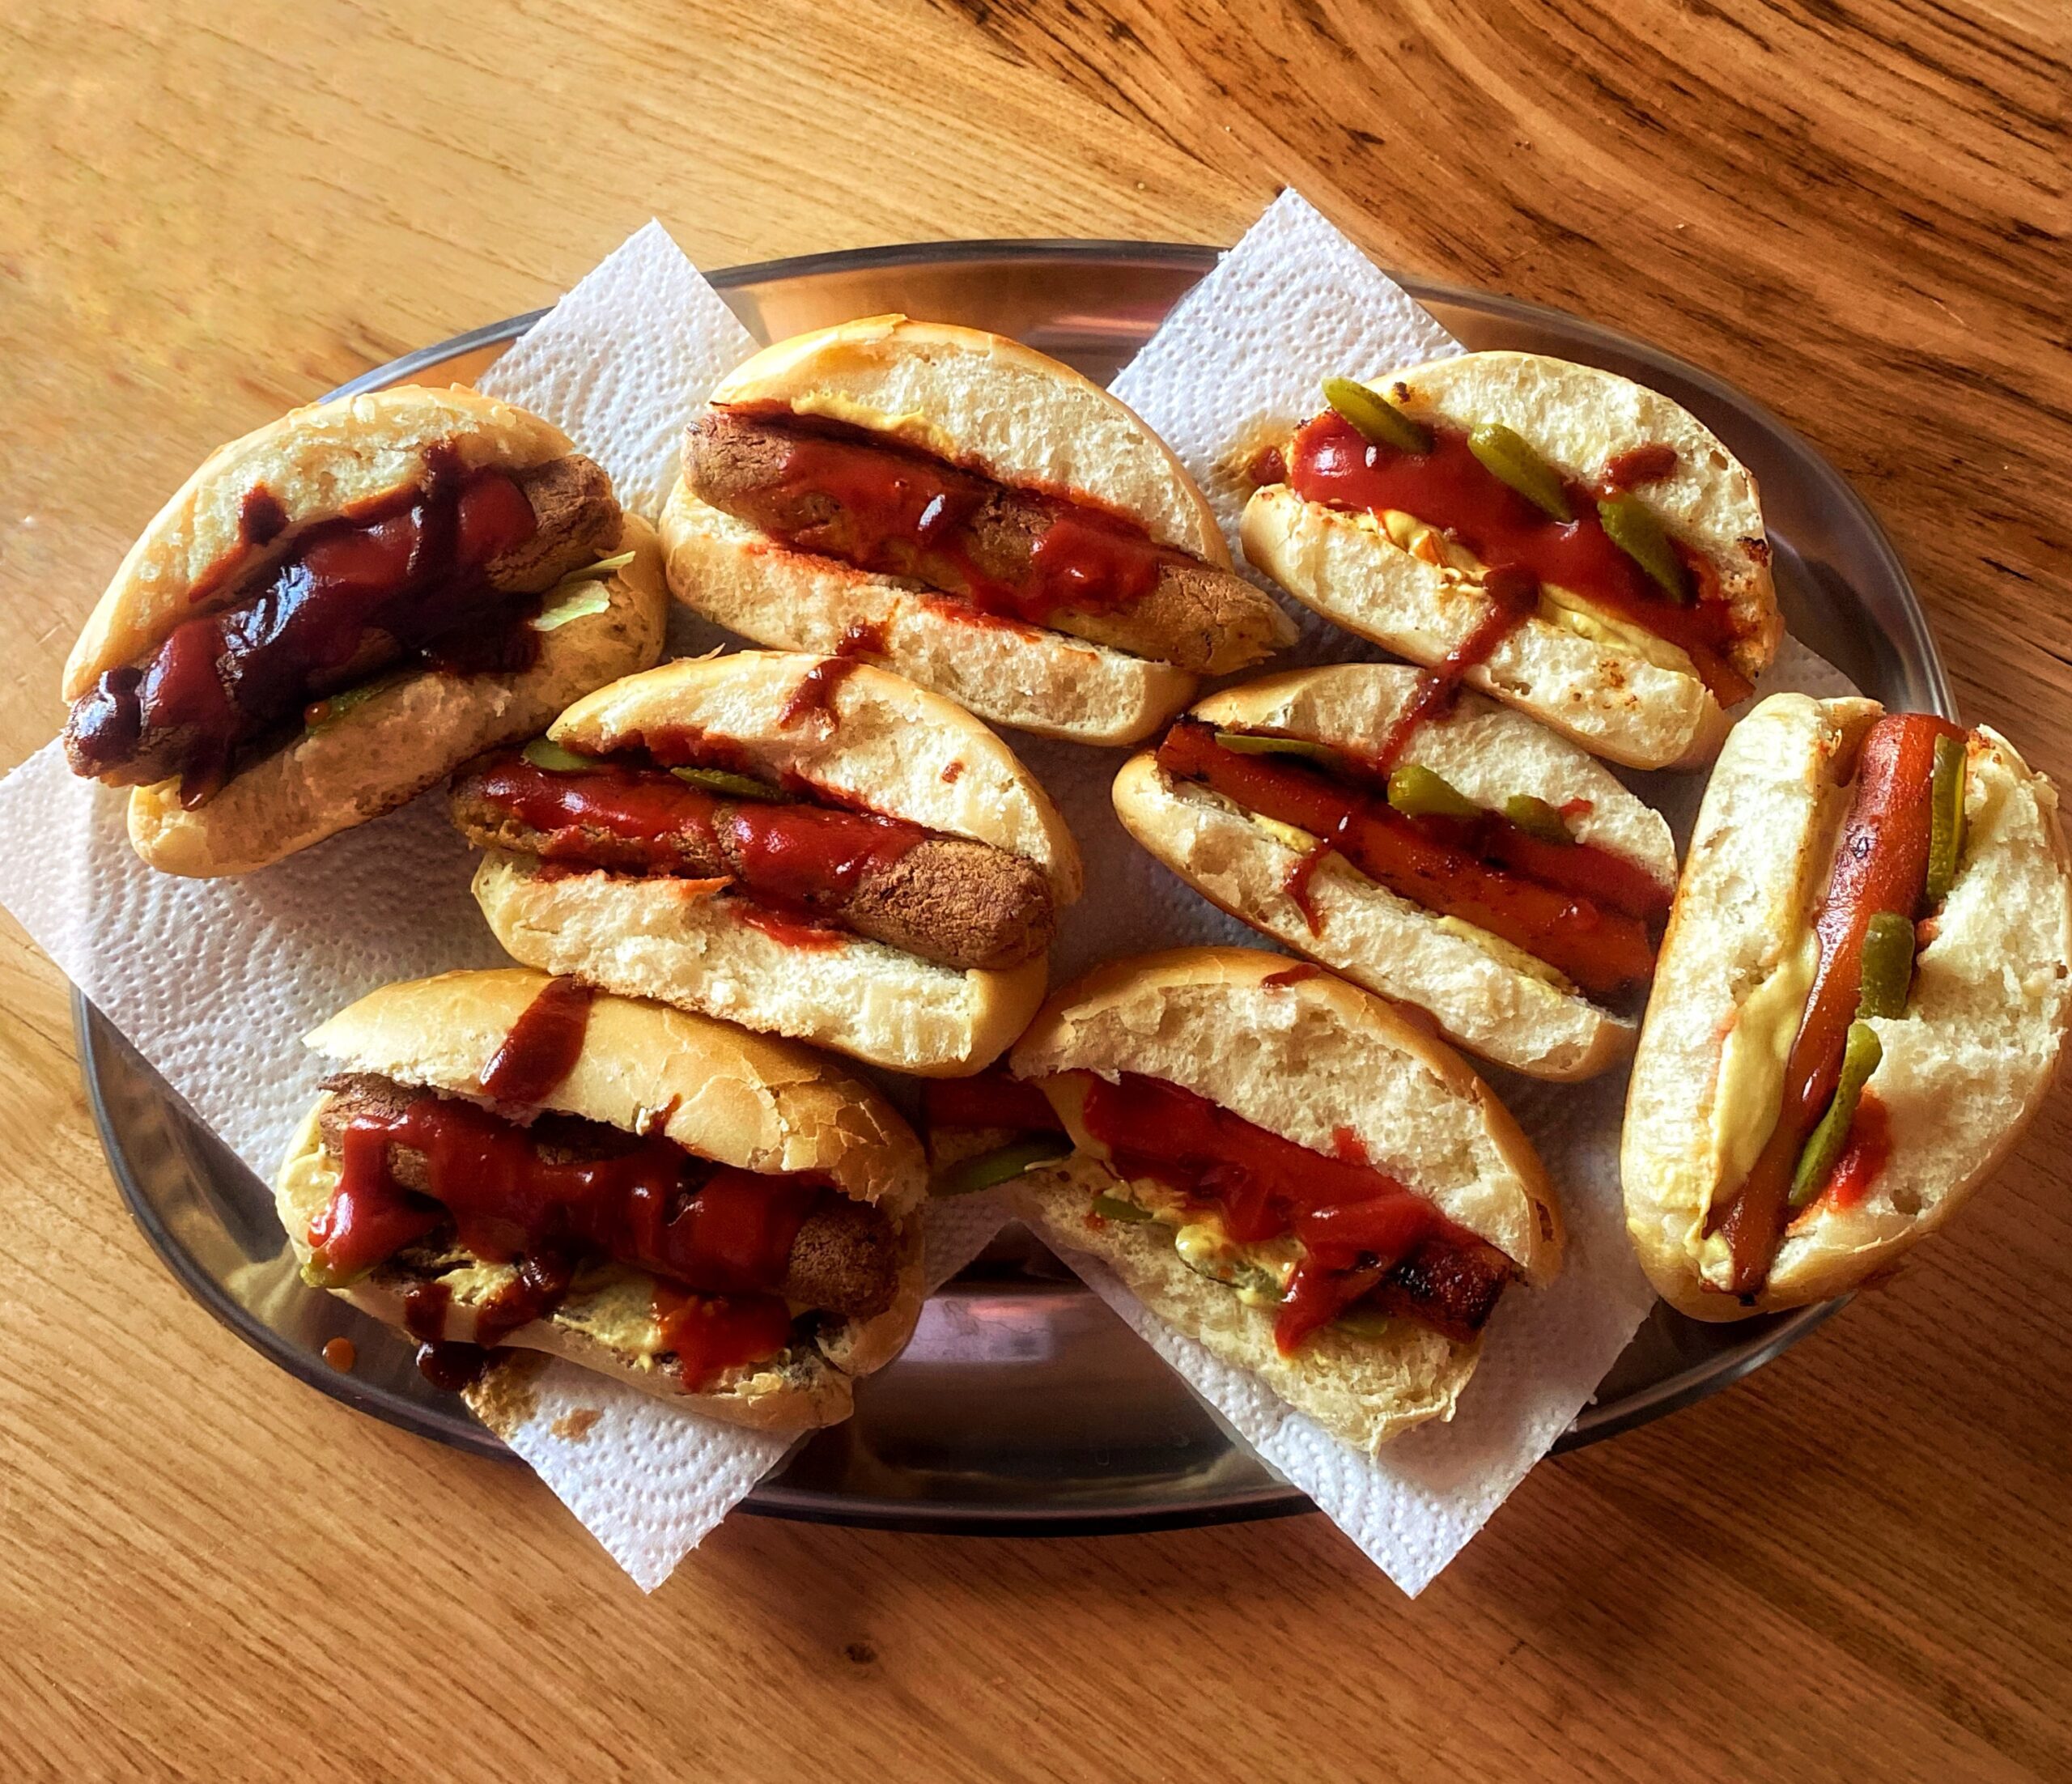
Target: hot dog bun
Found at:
x=738, y=1098
x=992, y=407
x=1608, y=697
x=889, y=749
x=1964, y=1069
x=1482, y=993
x=1304, y=1060
x=314, y=465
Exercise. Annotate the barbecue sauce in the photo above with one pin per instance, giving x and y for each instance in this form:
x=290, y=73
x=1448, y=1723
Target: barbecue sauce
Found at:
x=1358, y=1226
x=398, y=579
x=542, y=1047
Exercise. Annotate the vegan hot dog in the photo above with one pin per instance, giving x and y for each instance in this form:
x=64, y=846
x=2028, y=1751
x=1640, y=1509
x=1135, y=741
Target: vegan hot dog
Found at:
x=1861, y=1001
x=803, y=844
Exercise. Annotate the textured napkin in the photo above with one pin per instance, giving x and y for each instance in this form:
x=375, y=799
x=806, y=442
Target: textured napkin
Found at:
x=1293, y=302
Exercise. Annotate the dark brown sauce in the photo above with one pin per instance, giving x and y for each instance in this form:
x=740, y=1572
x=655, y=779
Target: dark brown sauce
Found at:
x=862, y=638
x=1639, y=464
x=260, y=518
x=816, y=689
x=542, y=1047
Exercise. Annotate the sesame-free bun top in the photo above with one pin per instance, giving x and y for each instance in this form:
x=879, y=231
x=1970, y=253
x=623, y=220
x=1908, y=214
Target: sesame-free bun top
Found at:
x=991, y=404
x=890, y=749
x=315, y=462
x=1305, y=1059
x=749, y=1101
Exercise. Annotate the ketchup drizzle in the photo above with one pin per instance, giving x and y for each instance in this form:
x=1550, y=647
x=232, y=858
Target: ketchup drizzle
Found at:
x=542, y=1047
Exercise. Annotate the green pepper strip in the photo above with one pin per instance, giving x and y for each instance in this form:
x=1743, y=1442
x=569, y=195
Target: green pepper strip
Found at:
x=1824, y=1150
x=992, y=1168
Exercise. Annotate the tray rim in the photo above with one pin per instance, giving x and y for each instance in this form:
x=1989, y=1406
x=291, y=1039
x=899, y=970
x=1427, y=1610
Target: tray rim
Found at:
x=1915, y=644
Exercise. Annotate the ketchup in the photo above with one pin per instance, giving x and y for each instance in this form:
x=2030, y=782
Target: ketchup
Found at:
x=542, y=1047
x=893, y=510
x=1291, y=975
x=512, y=1197
x=1332, y=462
x=1578, y=908
x=1881, y=864
x=1639, y=464
x=992, y=1099
x=1356, y=1223
x=816, y=689
x=711, y=1334
x=1864, y=1158
x=400, y=578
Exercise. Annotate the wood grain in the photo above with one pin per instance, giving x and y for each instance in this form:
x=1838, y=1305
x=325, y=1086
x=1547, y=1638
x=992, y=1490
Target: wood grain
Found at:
x=1852, y=1566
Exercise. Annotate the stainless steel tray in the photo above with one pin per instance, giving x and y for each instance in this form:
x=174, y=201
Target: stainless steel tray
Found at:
x=1023, y=1405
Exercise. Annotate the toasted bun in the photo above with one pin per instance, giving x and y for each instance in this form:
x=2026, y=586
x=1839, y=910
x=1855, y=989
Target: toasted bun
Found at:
x=315, y=462
x=407, y=737
x=676, y=941
x=1023, y=676
x=737, y=1098
x=1477, y=987
x=1306, y=1060
x=1612, y=699
x=992, y=404
x=1963, y=1070
x=893, y=747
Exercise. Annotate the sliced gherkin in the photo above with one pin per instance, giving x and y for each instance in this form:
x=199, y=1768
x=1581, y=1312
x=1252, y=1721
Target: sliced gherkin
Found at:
x=1633, y=527
x=1538, y=818
x=545, y=753
x=992, y=1168
x=1945, y=812
x=1511, y=459
x=1375, y=417
x=1114, y=1208
x=719, y=780
x=1823, y=1150
x=1416, y=791
x=1887, y=966
x=1254, y=743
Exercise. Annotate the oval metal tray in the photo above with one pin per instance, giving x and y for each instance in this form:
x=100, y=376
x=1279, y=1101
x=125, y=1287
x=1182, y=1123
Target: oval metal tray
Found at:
x=1023, y=1405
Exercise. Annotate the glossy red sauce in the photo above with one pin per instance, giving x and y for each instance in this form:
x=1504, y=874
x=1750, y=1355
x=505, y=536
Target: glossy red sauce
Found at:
x=706, y=1228
x=993, y=1098
x=951, y=771
x=899, y=511
x=1448, y=487
x=408, y=570
x=542, y=1047
x=1266, y=467
x=862, y=638
x=794, y=931
x=1299, y=883
x=800, y=859
x=260, y=518
x=1880, y=864
x=340, y=1353
x=810, y=698
x=1291, y=975
x=1356, y=1222
x=1579, y=909
x=1639, y=464
x=711, y=1334
x=1511, y=598
x=1864, y=1158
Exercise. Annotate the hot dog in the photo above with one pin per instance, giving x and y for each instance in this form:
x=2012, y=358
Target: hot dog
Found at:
x=808, y=845
x=1257, y=1148
x=1859, y=1002
x=508, y=1160
x=1557, y=536
x=336, y=609
x=1474, y=864
x=983, y=518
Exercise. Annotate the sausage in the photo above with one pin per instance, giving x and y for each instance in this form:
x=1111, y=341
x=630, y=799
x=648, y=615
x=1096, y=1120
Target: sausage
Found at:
x=251, y=665
x=979, y=544
x=845, y=1260
x=947, y=898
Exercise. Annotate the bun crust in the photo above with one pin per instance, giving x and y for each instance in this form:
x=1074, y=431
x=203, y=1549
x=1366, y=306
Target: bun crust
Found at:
x=738, y=1098
x=402, y=739
x=1387, y=944
x=1305, y=1061
x=1023, y=676
x=889, y=748
x=315, y=461
x=984, y=402
x=1614, y=703
x=1963, y=1070
x=675, y=941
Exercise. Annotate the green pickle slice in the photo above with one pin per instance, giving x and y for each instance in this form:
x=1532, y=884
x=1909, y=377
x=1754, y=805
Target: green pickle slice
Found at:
x=1887, y=966
x=1362, y=1321
x=1252, y=743
x=545, y=753
x=1860, y=1054
x=719, y=780
x=1415, y=791
x=1946, y=815
x=1511, y=460
x=989, y=1168
x=1536, y=817
x=1634, y=529
x=1114, y=1208
x=1375, y=417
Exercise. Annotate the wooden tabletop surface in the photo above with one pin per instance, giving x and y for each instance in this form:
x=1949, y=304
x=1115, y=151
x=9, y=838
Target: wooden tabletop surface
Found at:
x=1853, y=1566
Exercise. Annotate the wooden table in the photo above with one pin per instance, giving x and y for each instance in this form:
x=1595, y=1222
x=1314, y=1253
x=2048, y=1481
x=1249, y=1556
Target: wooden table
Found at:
x=1853, y=1566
